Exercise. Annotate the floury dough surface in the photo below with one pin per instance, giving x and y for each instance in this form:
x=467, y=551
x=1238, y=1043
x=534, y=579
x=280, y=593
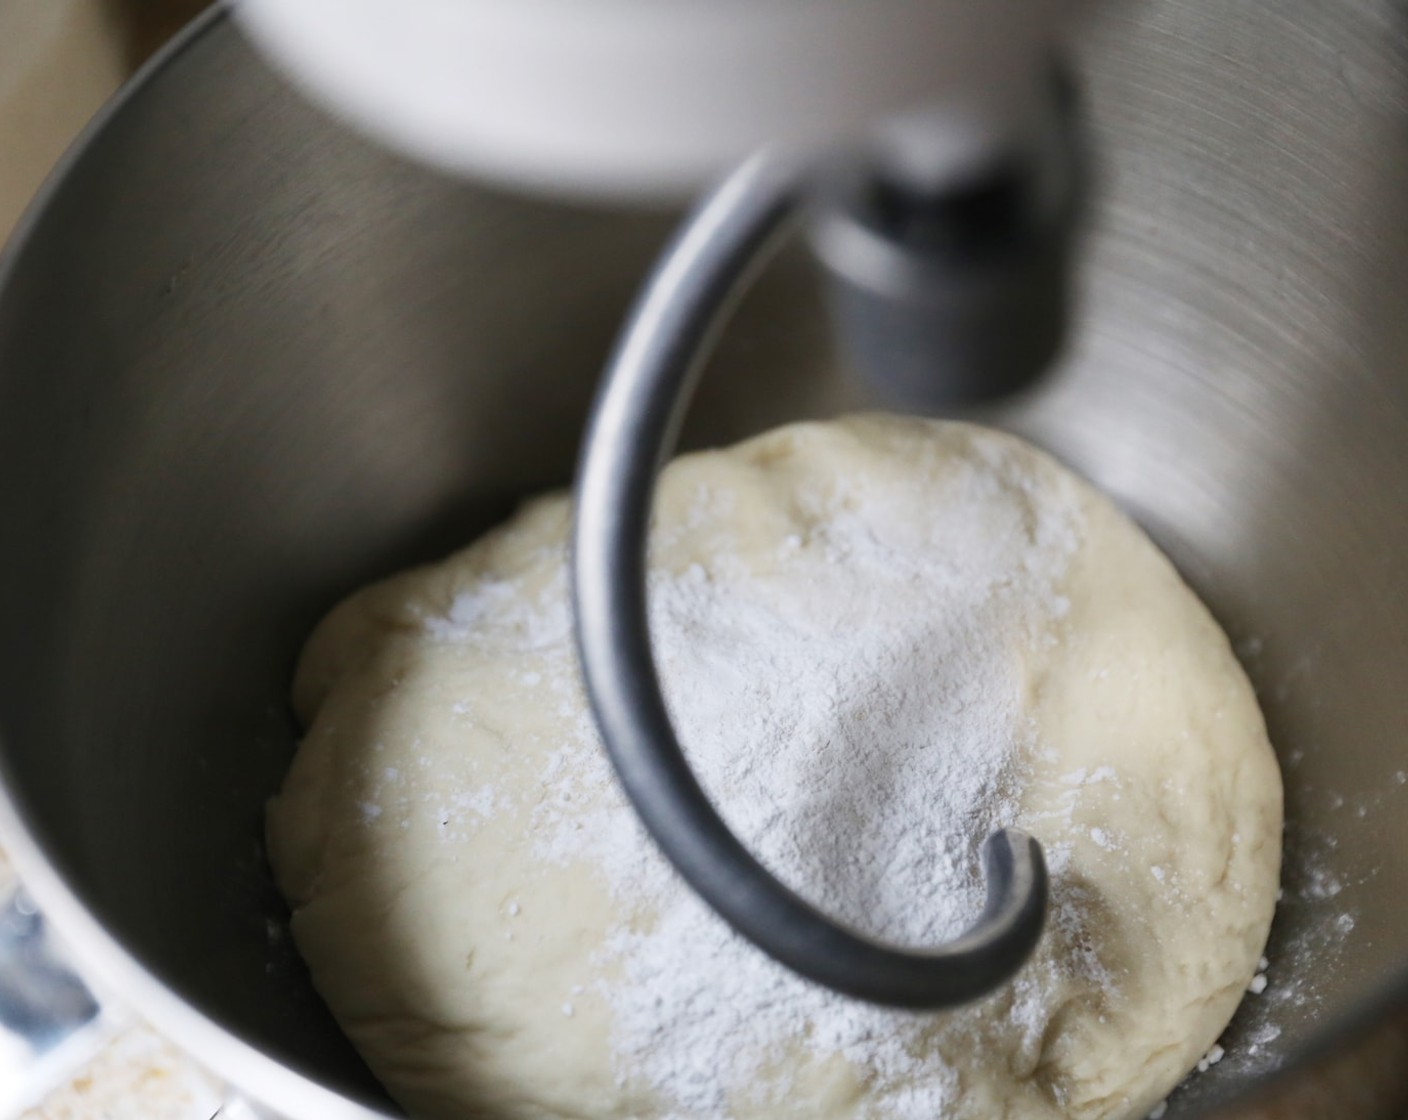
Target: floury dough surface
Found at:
x=880, y=638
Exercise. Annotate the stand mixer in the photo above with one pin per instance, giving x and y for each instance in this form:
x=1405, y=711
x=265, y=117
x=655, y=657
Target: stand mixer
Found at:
x=933, y=227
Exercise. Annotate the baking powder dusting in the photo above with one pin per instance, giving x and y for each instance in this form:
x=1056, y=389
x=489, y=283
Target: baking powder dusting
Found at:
x=853, y=705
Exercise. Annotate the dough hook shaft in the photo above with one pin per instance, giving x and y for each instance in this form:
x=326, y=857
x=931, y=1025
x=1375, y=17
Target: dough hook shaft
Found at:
x=631, y=433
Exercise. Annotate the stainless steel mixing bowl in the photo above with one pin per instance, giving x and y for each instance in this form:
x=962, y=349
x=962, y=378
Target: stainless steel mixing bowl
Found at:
x=248, y=361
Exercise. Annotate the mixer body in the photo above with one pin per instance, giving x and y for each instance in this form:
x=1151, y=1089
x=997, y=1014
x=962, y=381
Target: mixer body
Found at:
x=630, y=100
x=249, y=361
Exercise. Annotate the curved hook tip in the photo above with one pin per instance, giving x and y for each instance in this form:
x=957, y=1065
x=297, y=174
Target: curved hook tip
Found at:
x=1018, y=886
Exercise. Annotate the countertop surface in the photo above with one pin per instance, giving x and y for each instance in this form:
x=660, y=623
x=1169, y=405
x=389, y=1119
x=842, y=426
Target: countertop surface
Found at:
x=137, y=1075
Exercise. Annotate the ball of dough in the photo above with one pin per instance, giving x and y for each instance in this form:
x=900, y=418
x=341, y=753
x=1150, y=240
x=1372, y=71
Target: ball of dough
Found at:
x=880, y=638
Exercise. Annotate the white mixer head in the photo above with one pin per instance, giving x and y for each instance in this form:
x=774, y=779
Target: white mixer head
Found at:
x=654, y=97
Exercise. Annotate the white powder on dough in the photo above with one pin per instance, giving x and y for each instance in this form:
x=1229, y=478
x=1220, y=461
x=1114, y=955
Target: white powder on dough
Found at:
x=858, y=721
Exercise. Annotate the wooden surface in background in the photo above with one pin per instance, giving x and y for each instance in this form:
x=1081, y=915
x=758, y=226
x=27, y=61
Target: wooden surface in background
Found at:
x=149, y=23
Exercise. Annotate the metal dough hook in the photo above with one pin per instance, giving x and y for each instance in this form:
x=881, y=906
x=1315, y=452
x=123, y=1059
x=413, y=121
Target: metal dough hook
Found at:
x=631, y=433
